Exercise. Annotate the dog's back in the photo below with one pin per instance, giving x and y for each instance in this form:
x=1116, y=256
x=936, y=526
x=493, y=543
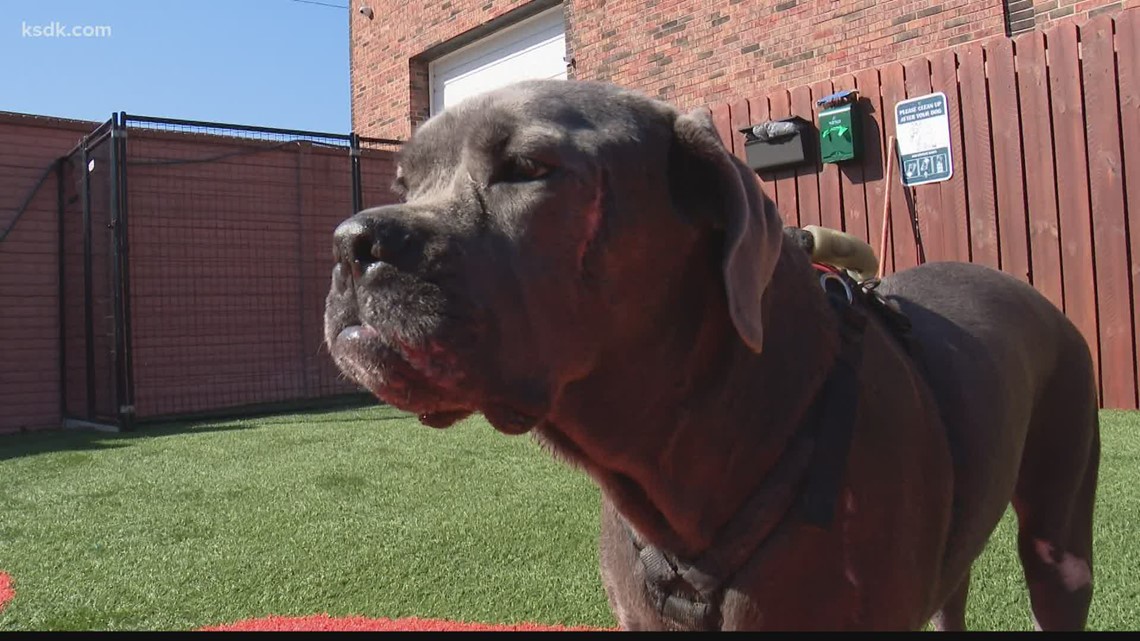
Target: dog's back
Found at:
x=1016, y=387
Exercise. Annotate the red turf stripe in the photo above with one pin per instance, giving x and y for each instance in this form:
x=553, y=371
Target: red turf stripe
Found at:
x=326, y=623
x=6, y=591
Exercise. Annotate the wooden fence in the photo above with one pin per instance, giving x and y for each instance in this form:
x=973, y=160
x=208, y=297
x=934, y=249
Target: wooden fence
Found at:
x=1044, y=130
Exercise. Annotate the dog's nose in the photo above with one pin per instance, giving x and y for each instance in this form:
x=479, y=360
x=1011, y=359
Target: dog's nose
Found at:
x=369, y=238
x=352, y=242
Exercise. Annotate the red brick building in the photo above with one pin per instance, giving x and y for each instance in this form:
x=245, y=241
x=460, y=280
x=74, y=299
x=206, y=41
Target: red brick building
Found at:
x=407, y=57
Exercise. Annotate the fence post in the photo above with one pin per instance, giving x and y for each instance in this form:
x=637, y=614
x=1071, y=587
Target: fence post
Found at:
x=61, y=291
x=124, y=379
x=116, y=268
x=357, y=188
x=88, y=286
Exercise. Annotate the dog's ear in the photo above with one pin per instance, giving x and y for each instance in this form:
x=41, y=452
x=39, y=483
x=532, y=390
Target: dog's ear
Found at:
x=708, y=183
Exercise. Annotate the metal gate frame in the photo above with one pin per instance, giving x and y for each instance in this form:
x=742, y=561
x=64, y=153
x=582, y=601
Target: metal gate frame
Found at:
x=118, y=415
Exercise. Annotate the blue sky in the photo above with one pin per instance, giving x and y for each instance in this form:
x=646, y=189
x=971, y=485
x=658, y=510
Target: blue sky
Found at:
x=277, y=63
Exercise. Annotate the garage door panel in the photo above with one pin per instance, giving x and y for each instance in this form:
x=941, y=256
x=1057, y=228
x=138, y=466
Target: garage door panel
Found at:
x=544, y=61
x=533, y=49
x=487, y=53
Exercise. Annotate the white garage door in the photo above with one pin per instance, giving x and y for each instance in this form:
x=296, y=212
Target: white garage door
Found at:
x=533, y=48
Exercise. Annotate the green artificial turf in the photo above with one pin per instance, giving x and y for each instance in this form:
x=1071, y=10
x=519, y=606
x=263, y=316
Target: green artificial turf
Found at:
x=365, y=512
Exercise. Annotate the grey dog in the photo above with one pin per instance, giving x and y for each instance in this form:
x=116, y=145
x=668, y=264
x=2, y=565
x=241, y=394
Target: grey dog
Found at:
x=585, y=263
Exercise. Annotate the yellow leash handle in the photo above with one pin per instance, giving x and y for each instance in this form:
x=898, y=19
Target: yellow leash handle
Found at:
x=843, y=250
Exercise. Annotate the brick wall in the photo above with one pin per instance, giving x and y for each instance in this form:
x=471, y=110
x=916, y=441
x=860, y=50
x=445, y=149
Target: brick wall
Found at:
x=29, y=328
x=690, y=52
x=1026, y=15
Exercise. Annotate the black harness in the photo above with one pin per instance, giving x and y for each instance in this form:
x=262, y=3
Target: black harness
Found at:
x=806, y=480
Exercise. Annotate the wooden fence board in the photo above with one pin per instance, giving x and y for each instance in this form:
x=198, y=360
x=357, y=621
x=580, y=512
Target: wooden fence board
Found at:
x=952, y=192
x=1106, y=188
x=1009, y=178
x=1073, y=182
x=807, y=176
x=954, y=236
x=1040, y=176
x=978, y=161
x=875, y=158
x=1128, y=72
x=853, y=199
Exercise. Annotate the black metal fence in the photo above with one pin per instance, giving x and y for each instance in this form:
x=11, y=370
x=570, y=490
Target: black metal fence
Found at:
x=194, y=262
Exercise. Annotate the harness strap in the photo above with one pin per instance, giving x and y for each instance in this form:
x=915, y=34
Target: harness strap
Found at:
x=809, y=473
x=837, y=416
x=673, y=598
x=689, y=593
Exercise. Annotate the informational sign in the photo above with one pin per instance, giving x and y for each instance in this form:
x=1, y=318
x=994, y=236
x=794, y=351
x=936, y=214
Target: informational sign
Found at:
x=922, y=131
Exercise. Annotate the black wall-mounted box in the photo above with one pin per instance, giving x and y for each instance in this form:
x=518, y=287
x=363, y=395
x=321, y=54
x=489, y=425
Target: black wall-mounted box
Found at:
x=778, y=143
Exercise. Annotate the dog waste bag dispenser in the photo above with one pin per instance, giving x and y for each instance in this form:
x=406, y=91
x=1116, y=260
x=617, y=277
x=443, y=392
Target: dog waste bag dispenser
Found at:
x=776, y=143
x=840, y=136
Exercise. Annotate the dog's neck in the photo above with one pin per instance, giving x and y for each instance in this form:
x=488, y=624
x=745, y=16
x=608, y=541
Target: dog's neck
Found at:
x=680, y=435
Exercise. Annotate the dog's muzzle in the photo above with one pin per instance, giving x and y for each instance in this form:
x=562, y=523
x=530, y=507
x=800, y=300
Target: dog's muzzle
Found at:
x=375, y=253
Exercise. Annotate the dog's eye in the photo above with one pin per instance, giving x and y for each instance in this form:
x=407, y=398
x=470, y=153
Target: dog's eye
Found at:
x=521, y=169
x=400, y=186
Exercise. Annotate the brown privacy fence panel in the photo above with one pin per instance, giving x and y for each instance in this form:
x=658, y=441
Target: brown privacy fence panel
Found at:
x=1045, y=133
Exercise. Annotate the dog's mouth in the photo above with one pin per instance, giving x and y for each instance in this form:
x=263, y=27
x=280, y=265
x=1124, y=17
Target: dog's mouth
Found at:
x=413, y=379
x=418, y=380
x=437, y=374
x=421, y=380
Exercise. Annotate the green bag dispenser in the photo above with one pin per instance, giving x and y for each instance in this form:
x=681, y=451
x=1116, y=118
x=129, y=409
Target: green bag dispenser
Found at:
x=840, y=130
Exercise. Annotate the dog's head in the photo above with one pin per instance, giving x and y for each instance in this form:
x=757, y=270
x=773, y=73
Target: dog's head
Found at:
x=543, y=224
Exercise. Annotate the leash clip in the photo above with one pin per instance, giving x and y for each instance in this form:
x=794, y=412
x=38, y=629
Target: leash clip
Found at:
x=826, y=276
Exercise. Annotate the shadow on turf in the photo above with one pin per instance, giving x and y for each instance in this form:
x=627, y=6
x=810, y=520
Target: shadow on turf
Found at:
x=79, y=439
